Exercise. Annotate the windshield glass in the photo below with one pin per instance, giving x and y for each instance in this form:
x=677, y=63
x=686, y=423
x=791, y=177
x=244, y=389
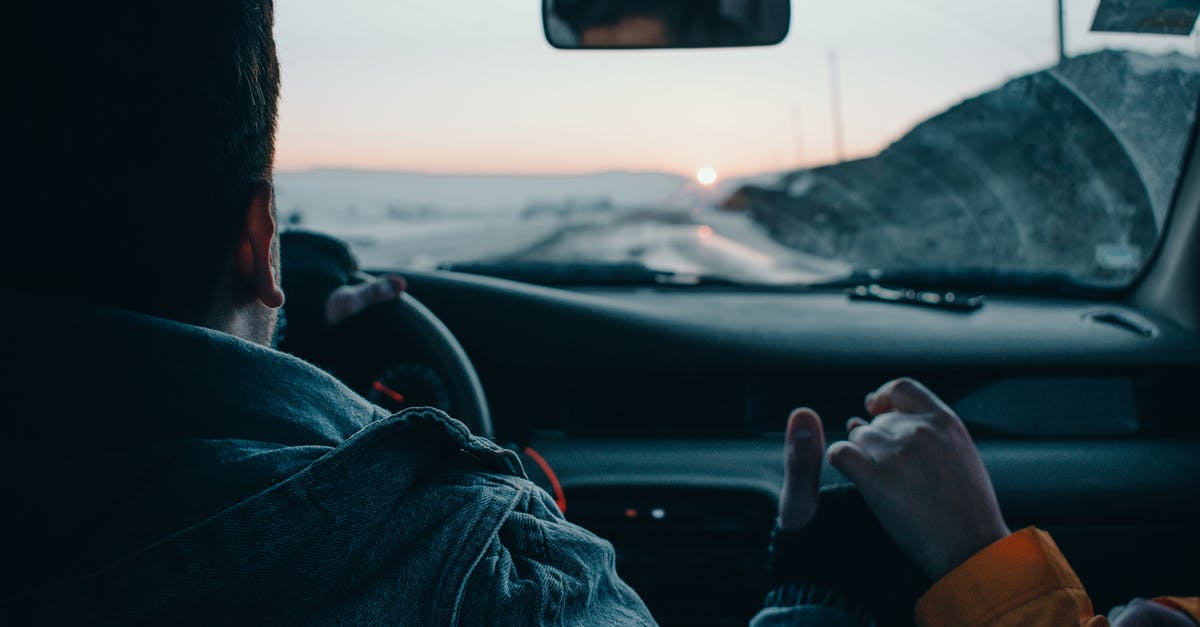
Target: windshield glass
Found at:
x=923, y=135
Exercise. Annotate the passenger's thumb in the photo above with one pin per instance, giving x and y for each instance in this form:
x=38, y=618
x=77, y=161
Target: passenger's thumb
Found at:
x=803, y=453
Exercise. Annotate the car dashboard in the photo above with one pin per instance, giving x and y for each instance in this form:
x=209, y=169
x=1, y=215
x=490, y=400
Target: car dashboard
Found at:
x=655, y=415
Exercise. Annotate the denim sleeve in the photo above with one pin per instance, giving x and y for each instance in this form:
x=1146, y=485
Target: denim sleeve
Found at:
x=539, y=569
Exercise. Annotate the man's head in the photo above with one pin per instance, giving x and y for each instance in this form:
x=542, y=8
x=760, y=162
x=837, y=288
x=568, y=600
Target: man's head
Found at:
x=145, y=134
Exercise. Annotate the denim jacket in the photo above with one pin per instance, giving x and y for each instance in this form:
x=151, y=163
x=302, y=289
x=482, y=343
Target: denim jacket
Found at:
x=171, y=474
x=163, y=473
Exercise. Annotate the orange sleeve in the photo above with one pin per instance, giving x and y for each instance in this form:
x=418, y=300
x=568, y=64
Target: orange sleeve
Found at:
x=1187, y=605
x=1022, y=580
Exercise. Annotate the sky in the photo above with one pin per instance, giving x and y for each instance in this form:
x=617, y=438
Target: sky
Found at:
x=472, y=87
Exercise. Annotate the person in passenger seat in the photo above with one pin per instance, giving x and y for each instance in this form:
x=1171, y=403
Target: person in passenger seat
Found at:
x=921, y=475
x=166, y=466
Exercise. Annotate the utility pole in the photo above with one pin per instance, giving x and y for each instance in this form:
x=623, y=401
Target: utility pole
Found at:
x=835, y=95
x=1062, y=33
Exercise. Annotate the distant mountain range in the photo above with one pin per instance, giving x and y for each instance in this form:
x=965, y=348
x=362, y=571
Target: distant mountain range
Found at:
x=329, y=192
x=1069, y=169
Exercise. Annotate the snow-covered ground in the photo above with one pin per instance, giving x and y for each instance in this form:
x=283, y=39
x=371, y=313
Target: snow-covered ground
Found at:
x=401, y=221
x=700, y=241
x=424, y=244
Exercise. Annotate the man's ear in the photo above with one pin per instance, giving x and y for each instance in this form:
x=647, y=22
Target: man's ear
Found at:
x=257, y=262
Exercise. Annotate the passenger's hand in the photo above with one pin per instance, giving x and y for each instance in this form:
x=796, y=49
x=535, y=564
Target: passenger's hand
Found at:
x=919, y=471
x=348, y=300
x=803, y=452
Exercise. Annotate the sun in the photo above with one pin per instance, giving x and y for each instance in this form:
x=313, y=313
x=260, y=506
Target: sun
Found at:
x=706, y=176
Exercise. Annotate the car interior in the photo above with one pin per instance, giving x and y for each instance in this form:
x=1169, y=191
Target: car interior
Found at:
x=652, y=405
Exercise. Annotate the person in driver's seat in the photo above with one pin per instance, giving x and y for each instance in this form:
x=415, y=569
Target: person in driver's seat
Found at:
x=169, y=466
x=166, y=466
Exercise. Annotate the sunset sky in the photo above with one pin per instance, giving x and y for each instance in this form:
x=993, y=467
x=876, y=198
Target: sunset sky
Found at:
x=472, y=87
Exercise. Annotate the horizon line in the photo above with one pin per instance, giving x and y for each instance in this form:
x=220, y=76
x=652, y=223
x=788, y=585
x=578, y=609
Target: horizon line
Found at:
x=528, y=174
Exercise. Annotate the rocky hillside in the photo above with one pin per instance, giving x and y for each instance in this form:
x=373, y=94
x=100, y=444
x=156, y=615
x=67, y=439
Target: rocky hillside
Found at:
x=1070, y=169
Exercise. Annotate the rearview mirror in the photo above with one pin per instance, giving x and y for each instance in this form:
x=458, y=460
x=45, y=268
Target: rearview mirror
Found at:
x=626, y=24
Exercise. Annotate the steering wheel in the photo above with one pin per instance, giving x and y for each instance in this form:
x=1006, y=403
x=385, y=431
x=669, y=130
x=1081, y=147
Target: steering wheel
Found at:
x=430, y=337
x=359, y=348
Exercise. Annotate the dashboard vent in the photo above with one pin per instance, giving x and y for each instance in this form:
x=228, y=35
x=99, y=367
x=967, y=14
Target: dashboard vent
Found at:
x=1124, y=321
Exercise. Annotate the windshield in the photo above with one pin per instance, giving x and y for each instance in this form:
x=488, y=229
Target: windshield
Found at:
x=921, y=136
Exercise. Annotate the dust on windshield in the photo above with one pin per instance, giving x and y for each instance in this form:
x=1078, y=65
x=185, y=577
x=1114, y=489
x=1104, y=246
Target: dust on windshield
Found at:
x=968, y=142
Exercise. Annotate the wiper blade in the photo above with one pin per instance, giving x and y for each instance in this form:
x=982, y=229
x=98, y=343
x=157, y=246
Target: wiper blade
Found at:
x=553, y=273
x=948, y=300
x=981, y=280
x=961, y=289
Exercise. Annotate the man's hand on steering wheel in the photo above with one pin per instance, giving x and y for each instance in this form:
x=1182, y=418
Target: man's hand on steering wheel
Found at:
x=348, y=300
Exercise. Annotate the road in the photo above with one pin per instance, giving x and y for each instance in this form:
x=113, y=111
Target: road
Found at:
x=701, y=241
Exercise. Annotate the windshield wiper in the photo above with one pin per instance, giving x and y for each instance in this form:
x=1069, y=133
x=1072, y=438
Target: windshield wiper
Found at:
x=960, y=289
x=938, y=299
x=980, y=281
x=956, y=289
x=553, y=273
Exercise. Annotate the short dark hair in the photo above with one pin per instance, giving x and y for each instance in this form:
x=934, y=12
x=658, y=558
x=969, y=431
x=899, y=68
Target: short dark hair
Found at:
x=144, y=128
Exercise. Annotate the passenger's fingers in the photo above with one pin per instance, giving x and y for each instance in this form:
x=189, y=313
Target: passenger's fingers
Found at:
x=903, y=395
x=855, y=423
x=893, y=423
x=852, y=461
x=872, y=441
x=802, y=458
